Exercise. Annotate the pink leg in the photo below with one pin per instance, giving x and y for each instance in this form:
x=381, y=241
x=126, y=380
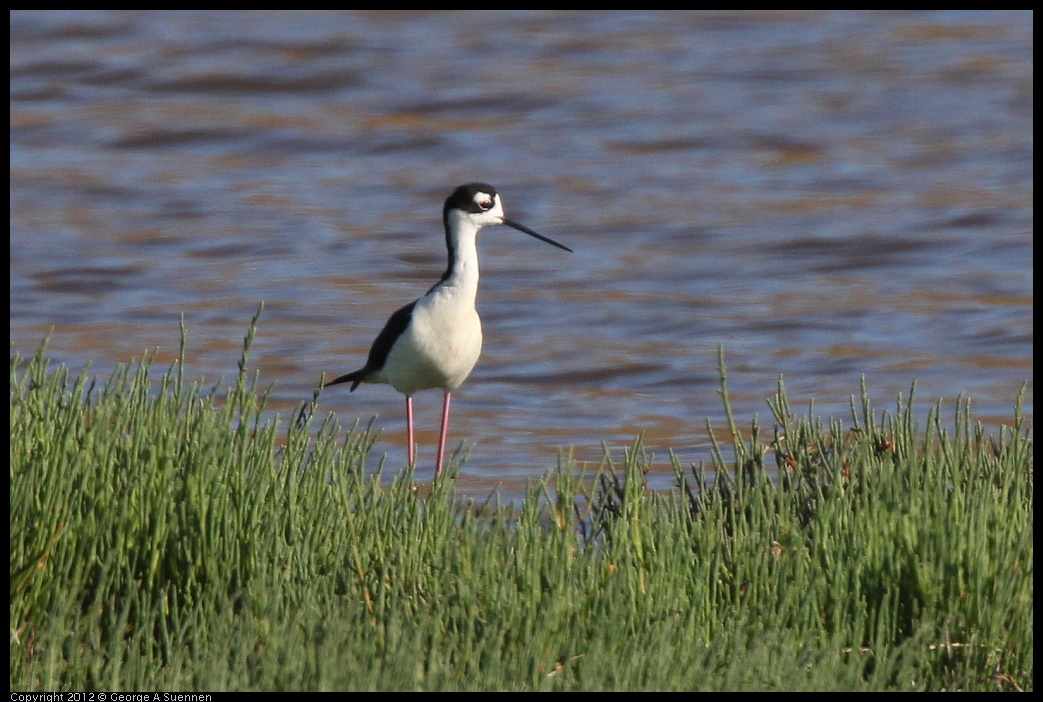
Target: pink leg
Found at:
x=409, y=432
x=441, y=438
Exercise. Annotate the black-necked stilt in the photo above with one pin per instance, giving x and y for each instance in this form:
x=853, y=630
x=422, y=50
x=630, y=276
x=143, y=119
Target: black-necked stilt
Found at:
x=435, y=341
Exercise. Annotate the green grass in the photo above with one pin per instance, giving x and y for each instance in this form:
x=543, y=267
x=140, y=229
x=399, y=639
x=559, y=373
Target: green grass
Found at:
x=164, y=536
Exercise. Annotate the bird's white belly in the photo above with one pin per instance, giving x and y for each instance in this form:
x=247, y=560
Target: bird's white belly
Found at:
x=439, y=348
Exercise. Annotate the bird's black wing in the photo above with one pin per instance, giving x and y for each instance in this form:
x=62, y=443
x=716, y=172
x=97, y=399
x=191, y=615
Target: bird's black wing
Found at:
x=378, y=353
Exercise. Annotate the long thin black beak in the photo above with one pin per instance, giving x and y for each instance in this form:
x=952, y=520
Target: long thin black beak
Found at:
x=522, y=228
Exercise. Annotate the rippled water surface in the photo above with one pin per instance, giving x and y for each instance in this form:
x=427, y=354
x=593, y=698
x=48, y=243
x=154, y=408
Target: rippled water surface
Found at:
x=828, y=195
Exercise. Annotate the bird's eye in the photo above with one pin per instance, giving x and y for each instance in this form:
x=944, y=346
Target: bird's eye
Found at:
x=485, y=205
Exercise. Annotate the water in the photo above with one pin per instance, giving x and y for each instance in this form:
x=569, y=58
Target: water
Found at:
x=828, y=195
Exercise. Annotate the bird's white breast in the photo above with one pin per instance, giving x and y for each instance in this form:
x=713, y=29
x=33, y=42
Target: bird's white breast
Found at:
x=441, y=345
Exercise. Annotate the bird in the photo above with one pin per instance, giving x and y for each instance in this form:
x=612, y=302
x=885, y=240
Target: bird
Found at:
x=434, y=342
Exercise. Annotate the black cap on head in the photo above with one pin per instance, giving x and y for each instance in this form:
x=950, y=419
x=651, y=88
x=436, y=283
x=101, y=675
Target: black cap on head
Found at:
x=463, y=198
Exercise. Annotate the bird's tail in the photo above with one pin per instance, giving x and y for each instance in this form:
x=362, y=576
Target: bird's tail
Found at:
x=355, y=377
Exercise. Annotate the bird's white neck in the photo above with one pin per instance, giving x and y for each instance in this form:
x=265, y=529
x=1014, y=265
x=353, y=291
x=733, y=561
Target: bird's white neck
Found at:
x=462, y=241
